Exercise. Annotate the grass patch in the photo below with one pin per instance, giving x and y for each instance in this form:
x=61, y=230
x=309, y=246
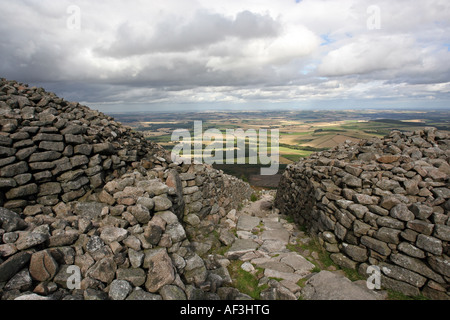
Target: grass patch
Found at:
x=254, y=197
x=246, y=282
x=289, y=219
x=221, y=250
x=353, y=275
x=395, y=295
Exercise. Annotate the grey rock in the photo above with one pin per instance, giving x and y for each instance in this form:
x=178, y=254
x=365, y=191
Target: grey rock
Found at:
x=226, y=237
x=195, y=270
x=343, y=261
x=135, y=276
x=352, y=181
x=247, y=223
x=388, y=184
x=13, y=265
x=52, y=146
x=105, y=148
x=402, y=274
x=29, y=239
x=49, y=188
x=94, y=243
x=402, y=212
x=154, y=187
x=172, y=292
x=176, y=232
x=90, y=210
x=365, y=199
x=45, y=156
x=415, y=265
x=14, y=169
x=440, y=264
x=399, y=286
x=300, y=265
x=11, y=221
x=429, y=244
x=420, y=226
x=160, y=269
x=356, y=253
x=22, y=191
x=119, y=290
x=141, y=213
x=360, y=228
x=411, y=250
x=421, y=211
x=441, y=192
x=240, y=247
x=326, y=285
x=111, y=234
x=442, y=232
x=136, y=257
x=388, y=235
x=148, y=203
x=74, y=139
x=377, y=245
x=80, y=160
x=93, y=294
x=21, y=281
x=139, y=294
x=390, y=223
x=47, y=137
x=103, y=270
x=358, y=210
x=32, y=297
x=162, y=203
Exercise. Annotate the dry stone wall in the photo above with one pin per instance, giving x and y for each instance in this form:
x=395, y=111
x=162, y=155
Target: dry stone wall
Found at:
x=382, y=202
x=79, y=190
x=52, y=150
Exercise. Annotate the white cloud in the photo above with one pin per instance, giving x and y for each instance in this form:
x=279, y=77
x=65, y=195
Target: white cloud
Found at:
x=238, y=51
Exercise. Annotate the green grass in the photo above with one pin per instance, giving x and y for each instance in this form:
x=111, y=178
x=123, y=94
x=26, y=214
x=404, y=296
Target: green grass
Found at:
x=352, y=274
x=395, y=295
x=246, y=282
x=289, y=219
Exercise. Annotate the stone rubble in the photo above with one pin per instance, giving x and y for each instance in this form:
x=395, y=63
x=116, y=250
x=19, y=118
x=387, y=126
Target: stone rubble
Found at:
x=380, y=202
x=79, y=190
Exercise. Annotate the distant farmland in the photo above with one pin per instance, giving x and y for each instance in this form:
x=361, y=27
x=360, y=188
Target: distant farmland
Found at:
x=301, y=132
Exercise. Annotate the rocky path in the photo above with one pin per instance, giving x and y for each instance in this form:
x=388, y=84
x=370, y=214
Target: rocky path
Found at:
x=267, y=240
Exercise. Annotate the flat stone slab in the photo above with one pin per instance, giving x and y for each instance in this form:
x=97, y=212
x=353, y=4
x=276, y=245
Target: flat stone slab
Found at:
x=241, y=247
x=281, y=235
x=245, y=235
x=247, y=223
x=277, y=266
x=298, y=263
x=327, y=285
x=271, y=225
x=272, y=246
x=292, y=277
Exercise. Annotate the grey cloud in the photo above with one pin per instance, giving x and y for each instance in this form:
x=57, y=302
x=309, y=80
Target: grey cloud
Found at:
x=177, y=34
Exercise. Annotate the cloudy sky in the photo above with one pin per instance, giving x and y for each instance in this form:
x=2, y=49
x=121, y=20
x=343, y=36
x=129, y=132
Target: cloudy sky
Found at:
x=185, y=54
